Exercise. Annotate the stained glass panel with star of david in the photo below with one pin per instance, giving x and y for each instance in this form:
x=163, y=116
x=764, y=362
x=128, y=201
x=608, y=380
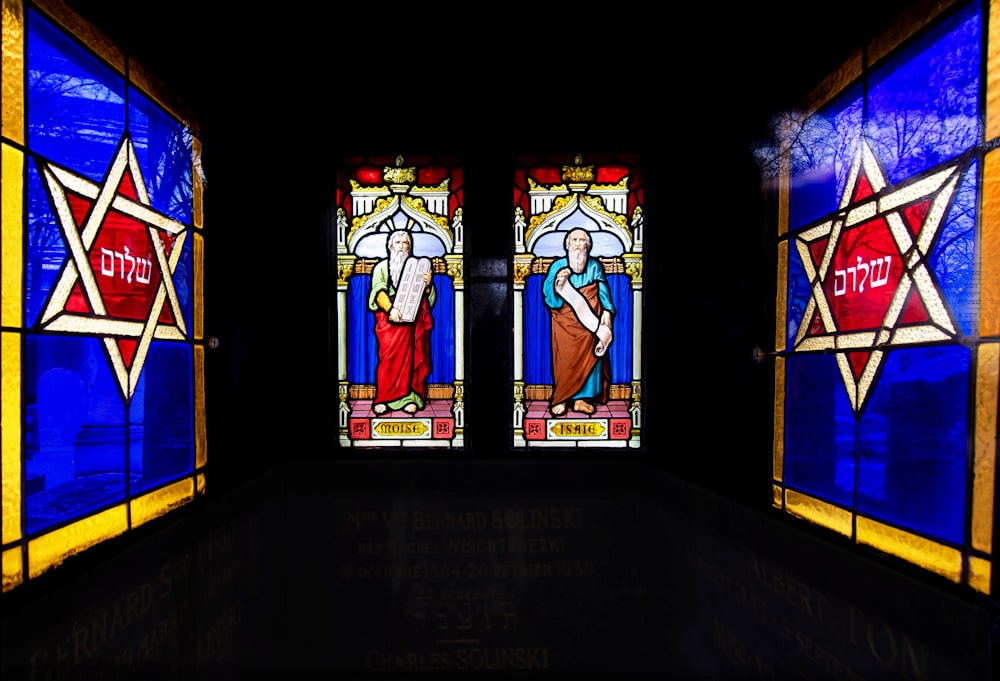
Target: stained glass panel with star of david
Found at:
x=103, y=410
x=887, y=336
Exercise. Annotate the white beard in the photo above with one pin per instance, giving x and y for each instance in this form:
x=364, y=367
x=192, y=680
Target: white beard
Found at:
x=396, y=261
x=577, y=259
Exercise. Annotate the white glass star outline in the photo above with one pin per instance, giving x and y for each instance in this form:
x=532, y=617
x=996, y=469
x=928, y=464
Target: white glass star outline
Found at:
x=78, y=267
x=939, y=187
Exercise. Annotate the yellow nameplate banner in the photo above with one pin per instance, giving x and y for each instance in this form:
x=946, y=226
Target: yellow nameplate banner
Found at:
x=396, y=428
x=596, y=429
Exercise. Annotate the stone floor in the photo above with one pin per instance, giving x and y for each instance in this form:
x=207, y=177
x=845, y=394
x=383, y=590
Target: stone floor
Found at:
x=404, y=569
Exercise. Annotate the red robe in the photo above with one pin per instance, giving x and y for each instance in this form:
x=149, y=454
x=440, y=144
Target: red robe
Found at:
x=404, y=355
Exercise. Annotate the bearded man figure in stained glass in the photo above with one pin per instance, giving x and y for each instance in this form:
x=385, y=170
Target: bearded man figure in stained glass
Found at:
x=401, y=297
x=579, y=301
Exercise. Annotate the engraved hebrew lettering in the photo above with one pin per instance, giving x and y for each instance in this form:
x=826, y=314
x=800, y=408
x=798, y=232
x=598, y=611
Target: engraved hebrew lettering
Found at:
x=861, y=287
x=839, y=288
x=107, y=270
x=144, y=269
x=882, y=277
x=131, y=259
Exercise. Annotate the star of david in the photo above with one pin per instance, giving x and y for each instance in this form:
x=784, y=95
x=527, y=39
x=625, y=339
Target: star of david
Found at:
x=871, y=287
x=117, y=283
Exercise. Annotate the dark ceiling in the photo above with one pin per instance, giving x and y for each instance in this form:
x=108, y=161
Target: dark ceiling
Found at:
x=489, y=73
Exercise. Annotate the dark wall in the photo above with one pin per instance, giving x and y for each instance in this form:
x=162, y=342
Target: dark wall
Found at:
x=281, y=95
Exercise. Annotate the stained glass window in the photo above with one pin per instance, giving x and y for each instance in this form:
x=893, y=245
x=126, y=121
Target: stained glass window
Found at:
x=399, y=239
x=578, y=299
x=888, y=304
x=101, y=346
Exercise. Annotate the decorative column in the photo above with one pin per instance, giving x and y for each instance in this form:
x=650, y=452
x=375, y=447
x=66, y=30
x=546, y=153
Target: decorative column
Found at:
x=345, y=268
x=455, y=269
x=633, y=267
x=522, y=268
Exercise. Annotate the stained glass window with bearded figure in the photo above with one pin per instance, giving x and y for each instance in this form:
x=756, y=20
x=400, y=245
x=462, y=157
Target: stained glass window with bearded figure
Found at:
x=399, y=243
x=577, y=287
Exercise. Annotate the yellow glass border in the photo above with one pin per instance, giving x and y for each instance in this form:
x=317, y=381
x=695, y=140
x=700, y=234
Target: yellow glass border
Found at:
x=161, y=501
x=12, y=68
x=984, y=464
x=49, y=550
x=198, y=284
x=781, y=299
x=819, y=512
x=992, y=122
x=778, y=443
x=980, y=574
x=13, y=568
x=926, y=553
x=11, y=241
x=989, y=237
x=197, y=185
x=200, y=430
x=784, y=175
x=10, y=434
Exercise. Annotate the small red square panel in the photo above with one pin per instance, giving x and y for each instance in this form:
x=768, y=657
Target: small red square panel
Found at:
x=619, y=429
x=360, y=429
x=534, y=429
x=443, y=429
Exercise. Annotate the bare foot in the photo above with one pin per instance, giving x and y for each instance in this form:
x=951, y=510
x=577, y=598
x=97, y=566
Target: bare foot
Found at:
x=380, y=408
x=410, y=408
x=559, y=409
x=583, y=407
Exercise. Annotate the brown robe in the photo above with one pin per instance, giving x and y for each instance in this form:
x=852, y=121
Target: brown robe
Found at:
x=573, y=355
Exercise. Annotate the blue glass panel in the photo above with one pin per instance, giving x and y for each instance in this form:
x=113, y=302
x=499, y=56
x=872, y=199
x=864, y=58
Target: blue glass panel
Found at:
x=538, y=330
x=953, y=258
x=184, y=282
x=537, y=357
x=923, y=106
x=798, y=294
x=914, y=434
x=76, y=112
x=821, y=155
x=77, y=463
x=360, y=334
x=620, y=351
x=443, y=335
x=162, y=410
x=46, y=250
x=819, y=436
x=163, y=149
